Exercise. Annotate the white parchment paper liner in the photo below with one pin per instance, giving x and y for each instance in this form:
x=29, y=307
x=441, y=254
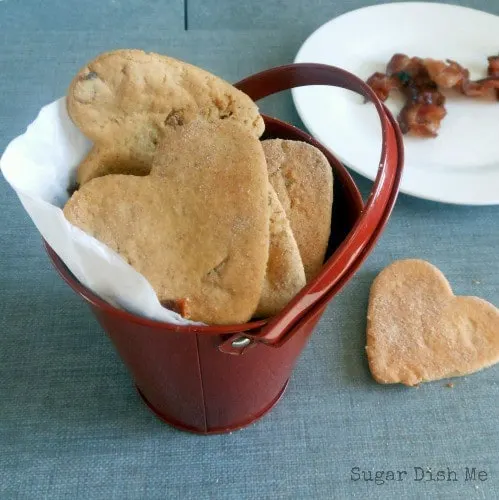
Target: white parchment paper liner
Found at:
x=40, y=165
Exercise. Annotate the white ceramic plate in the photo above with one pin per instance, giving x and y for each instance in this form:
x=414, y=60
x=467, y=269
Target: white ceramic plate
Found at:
x=461, y=165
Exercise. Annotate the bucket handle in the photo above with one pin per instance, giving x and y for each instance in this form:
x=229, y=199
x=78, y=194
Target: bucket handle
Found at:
x=281, y=78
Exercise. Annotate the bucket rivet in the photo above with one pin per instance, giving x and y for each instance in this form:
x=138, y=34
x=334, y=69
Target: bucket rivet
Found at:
x=241, y=342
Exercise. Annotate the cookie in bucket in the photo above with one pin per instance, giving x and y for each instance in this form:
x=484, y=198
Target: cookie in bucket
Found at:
x=125, y=99
x=196, y=227
x=181, y=200
x=202, y=378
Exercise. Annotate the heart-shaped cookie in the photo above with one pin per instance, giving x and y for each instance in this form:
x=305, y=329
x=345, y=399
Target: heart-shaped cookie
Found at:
x=303, y=180
x=197, y=227
x=285, y=275
x=418, y=330
x=124, y=100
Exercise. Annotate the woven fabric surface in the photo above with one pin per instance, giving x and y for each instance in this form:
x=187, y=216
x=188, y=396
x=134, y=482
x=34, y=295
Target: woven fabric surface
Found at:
x=71, y=423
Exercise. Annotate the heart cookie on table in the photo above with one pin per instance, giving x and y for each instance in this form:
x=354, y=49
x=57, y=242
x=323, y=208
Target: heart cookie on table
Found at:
x=124, y=100
x=197, y=227
x=418, y=330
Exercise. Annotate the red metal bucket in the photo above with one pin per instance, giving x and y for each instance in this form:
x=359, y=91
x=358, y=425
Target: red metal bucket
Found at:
x=211, y=379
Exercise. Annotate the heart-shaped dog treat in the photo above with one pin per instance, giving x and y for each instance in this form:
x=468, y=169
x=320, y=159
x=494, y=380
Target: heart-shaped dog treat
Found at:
x=197, y=227
x=285, y=275
x=124, y=100
x=418, y=330
x=303, y=181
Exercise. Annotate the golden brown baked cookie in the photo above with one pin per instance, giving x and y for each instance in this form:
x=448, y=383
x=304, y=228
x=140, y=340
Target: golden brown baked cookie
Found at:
x=124, y=100
x=197, y=227
x=303, y=181
x=285, y=275
x=418, y=330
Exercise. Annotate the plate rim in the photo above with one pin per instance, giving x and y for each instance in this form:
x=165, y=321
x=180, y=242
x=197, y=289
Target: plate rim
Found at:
x=408, y=190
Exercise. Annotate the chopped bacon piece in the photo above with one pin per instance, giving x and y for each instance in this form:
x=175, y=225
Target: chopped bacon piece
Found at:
x=453, y=75
x=480, y=88
x=493, y=70
x=180, y=306
x=382, y=85
x=445, y=74
x=424, y=109
x=398, y=63
x=421, y=120
x=420, y=80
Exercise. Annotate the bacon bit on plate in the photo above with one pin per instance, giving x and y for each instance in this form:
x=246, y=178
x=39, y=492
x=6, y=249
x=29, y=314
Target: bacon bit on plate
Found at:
x=382, y=84
x=420, y=81
x=493, y=70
